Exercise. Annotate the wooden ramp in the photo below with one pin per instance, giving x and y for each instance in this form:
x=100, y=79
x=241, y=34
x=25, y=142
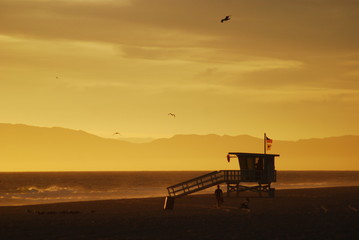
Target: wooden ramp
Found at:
x=203, y=182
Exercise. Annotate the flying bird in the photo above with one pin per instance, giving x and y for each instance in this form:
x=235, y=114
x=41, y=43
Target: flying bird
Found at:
x=172, y=114
x=226, y=18
x=117, y=133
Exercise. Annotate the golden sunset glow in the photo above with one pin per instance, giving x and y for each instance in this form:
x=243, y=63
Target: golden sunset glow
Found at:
x=289, y=68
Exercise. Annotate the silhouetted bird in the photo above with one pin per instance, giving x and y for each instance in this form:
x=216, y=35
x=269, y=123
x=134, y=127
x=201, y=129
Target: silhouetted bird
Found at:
x=324, y=209
x=172, y=114
x=226, y=18
x=352, y=208
x=117, y=133
x=245, y=206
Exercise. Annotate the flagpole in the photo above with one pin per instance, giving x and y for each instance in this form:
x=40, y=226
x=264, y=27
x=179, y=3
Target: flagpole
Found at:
x=265, y=143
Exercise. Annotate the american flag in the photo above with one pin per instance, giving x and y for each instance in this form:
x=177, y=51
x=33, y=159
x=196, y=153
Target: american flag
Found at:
x=269, y=143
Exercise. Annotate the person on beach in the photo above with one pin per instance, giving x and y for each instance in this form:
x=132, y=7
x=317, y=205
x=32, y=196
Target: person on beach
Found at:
x=219, y=196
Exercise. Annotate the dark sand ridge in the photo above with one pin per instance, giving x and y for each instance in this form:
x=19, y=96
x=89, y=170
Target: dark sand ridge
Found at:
x=325, y=213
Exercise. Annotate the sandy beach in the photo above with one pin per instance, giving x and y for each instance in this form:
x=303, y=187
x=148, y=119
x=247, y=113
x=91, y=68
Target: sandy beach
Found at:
x=325, y=213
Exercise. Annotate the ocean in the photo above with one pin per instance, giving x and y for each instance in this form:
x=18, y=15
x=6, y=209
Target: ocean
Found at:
x=52, y=187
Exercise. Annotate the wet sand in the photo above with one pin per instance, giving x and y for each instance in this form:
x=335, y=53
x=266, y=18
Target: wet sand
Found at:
x=326, y=213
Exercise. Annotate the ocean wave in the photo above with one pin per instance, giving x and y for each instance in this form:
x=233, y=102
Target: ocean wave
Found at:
x=50, y=189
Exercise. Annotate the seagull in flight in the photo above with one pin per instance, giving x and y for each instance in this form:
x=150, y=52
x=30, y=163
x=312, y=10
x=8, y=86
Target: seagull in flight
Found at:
x=117, y=133
x=172, y=114
x=226, y=18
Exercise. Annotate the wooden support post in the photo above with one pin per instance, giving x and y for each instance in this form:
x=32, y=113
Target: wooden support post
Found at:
x=271, y=192
x=233, y=187
x=169, y=203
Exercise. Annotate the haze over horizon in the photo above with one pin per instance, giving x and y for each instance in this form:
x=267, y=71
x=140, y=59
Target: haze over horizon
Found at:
x=287, y=68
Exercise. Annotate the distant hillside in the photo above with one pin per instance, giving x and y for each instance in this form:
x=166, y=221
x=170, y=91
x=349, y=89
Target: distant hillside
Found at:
x=28, y=148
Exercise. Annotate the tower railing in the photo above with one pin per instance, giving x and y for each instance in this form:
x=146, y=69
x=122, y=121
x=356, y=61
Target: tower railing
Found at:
x=217, y=177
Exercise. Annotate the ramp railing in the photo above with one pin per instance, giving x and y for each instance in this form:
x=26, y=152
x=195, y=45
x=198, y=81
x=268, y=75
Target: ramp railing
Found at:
x=196, y=184
x=203, y=182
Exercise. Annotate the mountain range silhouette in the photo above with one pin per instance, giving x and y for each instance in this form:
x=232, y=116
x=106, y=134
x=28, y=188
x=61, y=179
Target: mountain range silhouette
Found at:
x=30, y=148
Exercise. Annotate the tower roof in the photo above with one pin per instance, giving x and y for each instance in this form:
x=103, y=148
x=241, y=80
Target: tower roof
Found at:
x=241, y=154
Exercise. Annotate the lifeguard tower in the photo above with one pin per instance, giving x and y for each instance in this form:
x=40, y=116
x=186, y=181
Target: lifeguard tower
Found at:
x=256, y=171
x=254, y=168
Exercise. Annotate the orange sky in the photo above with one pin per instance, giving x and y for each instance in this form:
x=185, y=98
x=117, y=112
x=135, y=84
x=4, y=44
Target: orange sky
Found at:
x=288, y=68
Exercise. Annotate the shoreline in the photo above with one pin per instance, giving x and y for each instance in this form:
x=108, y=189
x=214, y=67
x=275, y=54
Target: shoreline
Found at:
x=316, y=213
x=156, y=197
